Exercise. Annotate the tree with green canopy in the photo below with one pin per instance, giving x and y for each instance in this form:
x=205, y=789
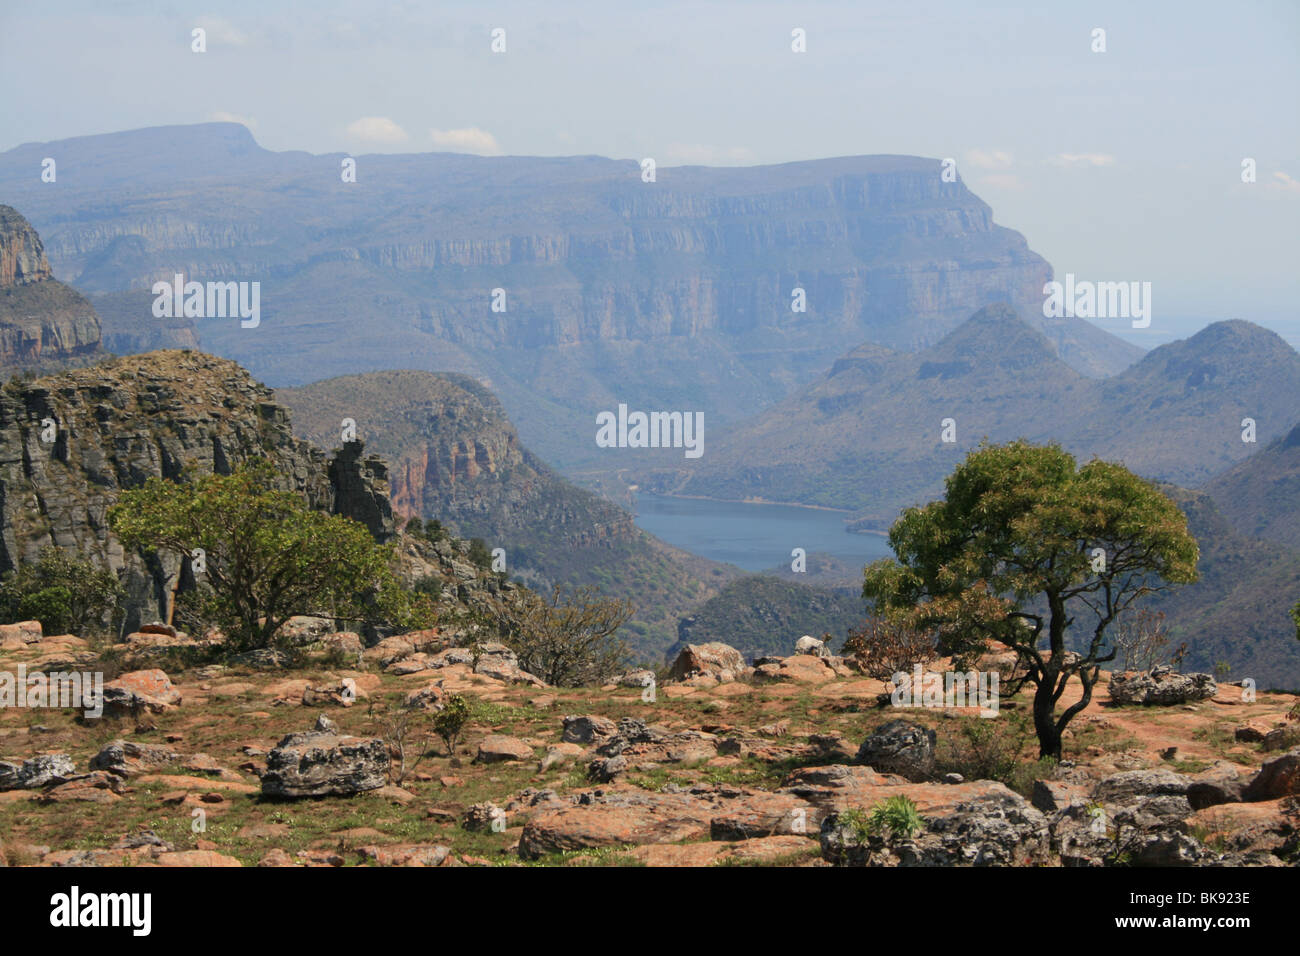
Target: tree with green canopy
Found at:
x=1029, y=549
x=263, y=555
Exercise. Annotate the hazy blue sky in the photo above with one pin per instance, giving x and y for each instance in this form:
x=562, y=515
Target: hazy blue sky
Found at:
x=1123, y=165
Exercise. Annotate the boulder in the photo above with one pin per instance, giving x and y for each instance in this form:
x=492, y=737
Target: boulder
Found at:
x=617, y=818
x=715, y=660
x=20, y=634
x=126, y=757
x=1279, y=777
x=98, y=786
x=1161, y=686
x=147, y=691
x=318, y=764
x=997, y=828
x=36, y=772
x=810, y=645
x=407, y=854
x=900, y=747
x=1049, y=796
x=588, y=729
x=498, y=748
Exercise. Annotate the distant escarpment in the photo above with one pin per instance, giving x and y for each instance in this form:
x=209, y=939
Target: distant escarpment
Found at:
x=570, y=282
x=70, y=442
x=43, y=323
x=455, y=457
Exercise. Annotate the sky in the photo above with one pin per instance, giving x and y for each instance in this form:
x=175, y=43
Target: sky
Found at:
x=1122, y=165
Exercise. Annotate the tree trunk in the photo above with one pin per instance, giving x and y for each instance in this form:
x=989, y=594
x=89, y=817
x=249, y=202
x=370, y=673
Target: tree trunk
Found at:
x=1049, y=738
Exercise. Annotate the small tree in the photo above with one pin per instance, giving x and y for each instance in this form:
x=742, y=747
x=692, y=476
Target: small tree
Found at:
x=882, y=648
x=450, y=721
x=66, y=594
x=1140, y=639
x=1023, y=545
x=570, y=640
x=267, y=555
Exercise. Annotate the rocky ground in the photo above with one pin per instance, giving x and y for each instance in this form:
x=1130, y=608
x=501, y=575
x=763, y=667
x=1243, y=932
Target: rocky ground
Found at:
x=298, y=761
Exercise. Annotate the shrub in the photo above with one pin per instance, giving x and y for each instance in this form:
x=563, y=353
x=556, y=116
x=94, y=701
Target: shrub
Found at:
x=66, y=594
x=449, y=722
x=883, y=648
x=570, y=640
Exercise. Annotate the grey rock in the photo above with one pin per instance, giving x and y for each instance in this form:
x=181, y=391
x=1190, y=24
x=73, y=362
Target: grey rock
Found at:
x=319, y=764
x=1160, y=686
x=36, y=772
x=900, y=747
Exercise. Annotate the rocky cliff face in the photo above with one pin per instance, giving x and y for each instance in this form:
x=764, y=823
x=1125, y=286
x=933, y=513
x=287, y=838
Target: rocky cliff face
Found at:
x=70, y=442
x=43, y=323
x=455, y=457
x=613, y=289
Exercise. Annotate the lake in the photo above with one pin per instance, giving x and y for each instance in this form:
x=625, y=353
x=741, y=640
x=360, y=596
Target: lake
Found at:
x=753, y=536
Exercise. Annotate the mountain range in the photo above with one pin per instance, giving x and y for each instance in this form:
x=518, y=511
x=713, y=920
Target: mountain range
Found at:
x=868, y=435
x=671, y=294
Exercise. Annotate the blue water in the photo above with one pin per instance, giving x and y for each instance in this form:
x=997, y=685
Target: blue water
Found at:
x=752, y=536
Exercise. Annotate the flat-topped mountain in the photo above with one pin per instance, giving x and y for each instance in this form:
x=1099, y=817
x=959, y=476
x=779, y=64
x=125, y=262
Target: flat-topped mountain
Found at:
x=675, y=293
x=43, y=323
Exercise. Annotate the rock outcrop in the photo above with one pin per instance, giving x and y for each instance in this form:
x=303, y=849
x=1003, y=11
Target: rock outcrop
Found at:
x=70, y=442
x=1161, y=685
x=317, y=764
x=43, y=323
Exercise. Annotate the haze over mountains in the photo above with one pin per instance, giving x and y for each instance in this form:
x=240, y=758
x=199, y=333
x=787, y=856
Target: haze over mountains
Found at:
x=867, y=436
x=671, y=294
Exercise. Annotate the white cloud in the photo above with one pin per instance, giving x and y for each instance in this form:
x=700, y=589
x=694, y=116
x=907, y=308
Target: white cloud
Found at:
x=468, y=140
x=377, y=129
x=1000, y=181
x=988, y=159
x=1282, y=183
x=221, y=116
x=699, y=154
x=223, y=32
x=1083, y=159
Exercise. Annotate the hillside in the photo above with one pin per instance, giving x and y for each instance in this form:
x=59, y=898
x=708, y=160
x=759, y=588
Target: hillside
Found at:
x=454, y=456
x=1261, y=496
x=867, y=435
x=769, y=771
x=761, y=615
x=123, y=421
x=670, y=294
x=1238, y=611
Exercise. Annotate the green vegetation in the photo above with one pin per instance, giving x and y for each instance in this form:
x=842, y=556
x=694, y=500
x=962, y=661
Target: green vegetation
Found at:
x=896, y=817
x=261, y=555
x=571, y=639
x=760, y=614
x=1023, y=545
x=450, y=722
x=67, y=594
